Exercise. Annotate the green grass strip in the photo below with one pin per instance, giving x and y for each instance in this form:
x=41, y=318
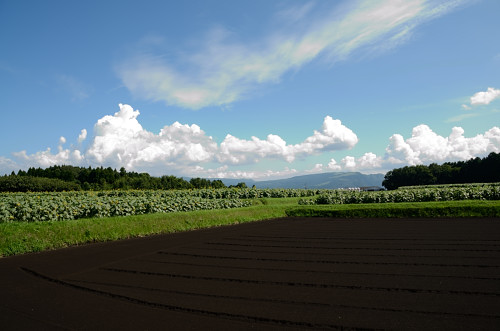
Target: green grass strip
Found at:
x=27, y=237
x=467, y=208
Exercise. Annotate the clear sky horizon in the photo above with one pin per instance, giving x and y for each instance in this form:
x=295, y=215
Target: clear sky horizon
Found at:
x=248, y=89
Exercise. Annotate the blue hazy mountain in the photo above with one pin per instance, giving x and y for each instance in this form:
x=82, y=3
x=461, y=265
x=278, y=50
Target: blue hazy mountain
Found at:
x=329, y=180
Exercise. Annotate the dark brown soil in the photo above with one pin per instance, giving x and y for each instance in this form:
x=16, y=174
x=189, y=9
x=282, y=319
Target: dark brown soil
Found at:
x=316, y=273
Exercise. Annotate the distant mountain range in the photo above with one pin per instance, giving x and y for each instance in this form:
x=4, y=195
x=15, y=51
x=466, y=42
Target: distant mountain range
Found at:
x=329, y=180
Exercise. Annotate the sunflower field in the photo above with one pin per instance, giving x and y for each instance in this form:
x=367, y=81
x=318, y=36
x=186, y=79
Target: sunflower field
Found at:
x=58, y=206
x=410, y=194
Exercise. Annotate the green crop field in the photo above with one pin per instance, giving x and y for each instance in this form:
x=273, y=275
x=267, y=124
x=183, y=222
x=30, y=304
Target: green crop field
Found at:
x=432, y=209
x=32, y=222
x=60, y=206
x=412, y=194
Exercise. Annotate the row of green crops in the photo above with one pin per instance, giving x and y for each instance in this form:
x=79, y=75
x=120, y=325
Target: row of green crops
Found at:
x=252, y=193
x=29, y=207
x=46, y=206
x=470, y=192
x=447, y=186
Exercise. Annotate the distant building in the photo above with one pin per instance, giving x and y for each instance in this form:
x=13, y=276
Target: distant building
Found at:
x=371, y=188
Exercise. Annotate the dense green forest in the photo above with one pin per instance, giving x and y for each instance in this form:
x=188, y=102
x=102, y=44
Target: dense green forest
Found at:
x=66, y=178
x=476, y=170
x=69, y=178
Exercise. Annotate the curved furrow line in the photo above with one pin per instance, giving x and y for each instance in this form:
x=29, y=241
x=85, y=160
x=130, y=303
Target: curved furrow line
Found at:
x=343, y=254
x=301, y=284
x=316, y=271
x=373, y=239
x=354, y=240
x=240, y=317
x=329, y=261
x=205, y=295
x=355, y=248
x=287, y=302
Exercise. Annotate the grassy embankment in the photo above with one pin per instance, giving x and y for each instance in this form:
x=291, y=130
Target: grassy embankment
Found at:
x=26, y=237
x=441, y=209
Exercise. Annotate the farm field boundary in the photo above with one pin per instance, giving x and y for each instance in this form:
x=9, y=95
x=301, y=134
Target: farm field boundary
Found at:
x=466, y=208
x=288, y=273
x=28, y=237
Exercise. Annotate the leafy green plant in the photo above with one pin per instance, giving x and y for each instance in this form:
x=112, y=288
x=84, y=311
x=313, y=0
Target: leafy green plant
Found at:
x=434, y=209
x=58, y=206
x=413, y=194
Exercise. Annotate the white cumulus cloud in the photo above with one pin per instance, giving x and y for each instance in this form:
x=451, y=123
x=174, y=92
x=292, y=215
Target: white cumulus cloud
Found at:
x=121, y=140
x=47, y=158
x=181, y=149
x=426, y=146
x=423, y=147
x=7, y=165
x=333, y=165
x=82, y=136
x=486, y=97
x=332, y=136
x=225, y=172
x=369, y=161
x=318, y=168
x=349, y=163
x=479, y=98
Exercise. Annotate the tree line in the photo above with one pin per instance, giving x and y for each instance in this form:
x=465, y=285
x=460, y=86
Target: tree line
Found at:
x=68, y=178
x=476, y=170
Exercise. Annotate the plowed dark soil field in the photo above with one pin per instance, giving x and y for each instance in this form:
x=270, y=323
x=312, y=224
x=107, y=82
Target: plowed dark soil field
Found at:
x=314, y=273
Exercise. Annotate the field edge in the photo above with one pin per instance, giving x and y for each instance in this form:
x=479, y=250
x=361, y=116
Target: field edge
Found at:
x=29, y=237
x=445, y=209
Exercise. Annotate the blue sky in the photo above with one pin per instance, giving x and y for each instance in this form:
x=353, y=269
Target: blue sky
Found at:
x=257, y=89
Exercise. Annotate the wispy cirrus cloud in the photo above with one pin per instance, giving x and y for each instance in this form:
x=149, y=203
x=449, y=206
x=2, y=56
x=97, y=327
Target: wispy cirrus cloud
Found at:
x=220, y=71
x=75, y=88
x=461, y=117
